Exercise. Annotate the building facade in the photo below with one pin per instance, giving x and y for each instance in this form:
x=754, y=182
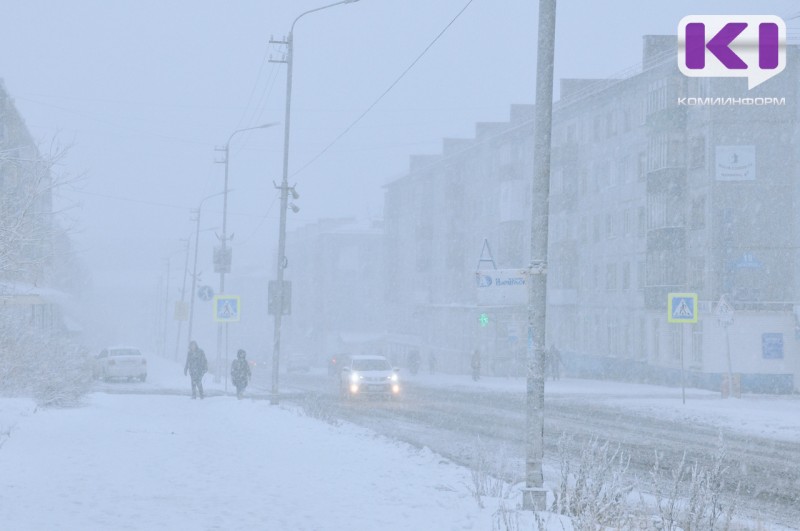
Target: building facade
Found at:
x=335, y=270
x=649, y=196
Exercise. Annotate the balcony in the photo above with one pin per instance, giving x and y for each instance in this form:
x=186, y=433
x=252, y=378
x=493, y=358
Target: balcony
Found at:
x=670, y=118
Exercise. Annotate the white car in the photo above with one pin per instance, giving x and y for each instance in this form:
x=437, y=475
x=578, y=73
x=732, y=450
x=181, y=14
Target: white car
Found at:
x=121, y=362
x=368, y=375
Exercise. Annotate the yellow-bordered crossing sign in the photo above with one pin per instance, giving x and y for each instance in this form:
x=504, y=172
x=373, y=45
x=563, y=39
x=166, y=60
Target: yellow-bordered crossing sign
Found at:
x=682, y=307
x=227, y=308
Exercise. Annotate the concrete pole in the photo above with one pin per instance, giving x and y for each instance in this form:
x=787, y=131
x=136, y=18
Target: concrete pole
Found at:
x=534, y=495
x=276, y=331
x=224, y=247
x=276, y=334
x=194, y=274
x=166, y=310
x=183, y=298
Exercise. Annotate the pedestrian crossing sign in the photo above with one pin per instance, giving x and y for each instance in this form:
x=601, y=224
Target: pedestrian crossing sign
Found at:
x=682, y=307
x=226, y=308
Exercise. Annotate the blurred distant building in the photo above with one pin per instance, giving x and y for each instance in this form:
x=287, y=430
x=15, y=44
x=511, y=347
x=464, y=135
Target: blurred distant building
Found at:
x=26, y=204
x=650, y=194
x=30, y=275
x=335, y=268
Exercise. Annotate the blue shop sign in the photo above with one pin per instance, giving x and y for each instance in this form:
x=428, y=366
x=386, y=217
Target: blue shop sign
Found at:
x=772, y=346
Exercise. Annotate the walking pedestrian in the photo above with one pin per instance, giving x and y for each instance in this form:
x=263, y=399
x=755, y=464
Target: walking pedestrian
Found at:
x=554, y=362
x=196, y=366
x=475, y=363
x=240, y=373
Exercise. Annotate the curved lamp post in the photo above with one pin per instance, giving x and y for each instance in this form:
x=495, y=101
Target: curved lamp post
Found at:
x=285, y=189
x=223, y=263
x=194, y=268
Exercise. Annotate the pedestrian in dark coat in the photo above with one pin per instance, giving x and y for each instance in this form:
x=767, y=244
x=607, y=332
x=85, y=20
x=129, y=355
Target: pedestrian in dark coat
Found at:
x=240, y=373
x=475, y=363
x=196, y=366
x=553, y=362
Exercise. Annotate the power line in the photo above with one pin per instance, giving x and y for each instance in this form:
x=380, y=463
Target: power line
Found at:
x=385, y=92
x=252, y=91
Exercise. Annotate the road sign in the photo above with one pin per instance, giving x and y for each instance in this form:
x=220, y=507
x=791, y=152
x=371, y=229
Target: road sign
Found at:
x=206, y=293
x=724, y=311
x=227, y=308
x=682, y=307
x=499, y=287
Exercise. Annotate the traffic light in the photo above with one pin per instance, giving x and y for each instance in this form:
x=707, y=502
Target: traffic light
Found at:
x=483, y=319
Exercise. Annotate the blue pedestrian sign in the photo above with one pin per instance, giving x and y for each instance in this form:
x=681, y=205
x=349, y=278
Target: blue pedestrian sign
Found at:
x=682, y=307
x=206, y=293
x=226, y=308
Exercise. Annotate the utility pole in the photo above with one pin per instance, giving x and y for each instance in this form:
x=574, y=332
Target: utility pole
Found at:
x=183, y=299
x=222, y=259
x=285, y=189
x=166, y=310
x=194, y=269
x=534, y=495
x=194, y=273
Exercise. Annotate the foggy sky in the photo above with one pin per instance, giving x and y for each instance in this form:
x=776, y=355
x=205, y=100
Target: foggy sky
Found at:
x=145, y=90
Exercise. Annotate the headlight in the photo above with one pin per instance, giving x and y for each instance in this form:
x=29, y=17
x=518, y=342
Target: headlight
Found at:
x=393, y=378
x=354, y=377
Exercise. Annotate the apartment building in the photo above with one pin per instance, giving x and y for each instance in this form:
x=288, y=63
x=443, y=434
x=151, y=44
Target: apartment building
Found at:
x=649, y=196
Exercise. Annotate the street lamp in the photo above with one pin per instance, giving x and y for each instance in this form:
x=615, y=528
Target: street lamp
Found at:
x=194, y=268
x=285, y=190
x=222, y=260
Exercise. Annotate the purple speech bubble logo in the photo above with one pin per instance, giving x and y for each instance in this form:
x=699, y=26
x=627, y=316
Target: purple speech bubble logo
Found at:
x=751, y=46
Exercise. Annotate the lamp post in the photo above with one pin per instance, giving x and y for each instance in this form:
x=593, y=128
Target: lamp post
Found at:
x=192, y=293
x=285, y=189
x=222, y=261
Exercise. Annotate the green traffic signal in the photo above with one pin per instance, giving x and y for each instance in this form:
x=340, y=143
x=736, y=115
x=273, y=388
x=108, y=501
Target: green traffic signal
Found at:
x=483, y=319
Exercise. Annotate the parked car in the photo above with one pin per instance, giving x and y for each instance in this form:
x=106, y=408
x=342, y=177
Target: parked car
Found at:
x=121, y=362
x=369, y=376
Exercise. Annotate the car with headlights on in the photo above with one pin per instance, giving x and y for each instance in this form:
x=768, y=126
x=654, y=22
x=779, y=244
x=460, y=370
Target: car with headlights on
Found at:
x=368, y=376
x=121, y=362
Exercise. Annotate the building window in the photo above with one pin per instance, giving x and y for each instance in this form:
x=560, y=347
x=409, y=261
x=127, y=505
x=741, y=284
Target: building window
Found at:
x=624, y=169
x=602, y=175
x=582, y=182
x=596, y=228
x=611, y=127
x=642, y=222
x=641, y=166
x=641, y=350
x=640, y=274
x=626, y=275
x=612, y=325
x=698, y=219
x=677, y=342
x=626, y=222
x=570, y=133
x=657, y=96
x=611, y=277
x=697, y=152
x=697, y=266
x=656, y=339
x=598, y=128
x=697, y=345
x=610, y=233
